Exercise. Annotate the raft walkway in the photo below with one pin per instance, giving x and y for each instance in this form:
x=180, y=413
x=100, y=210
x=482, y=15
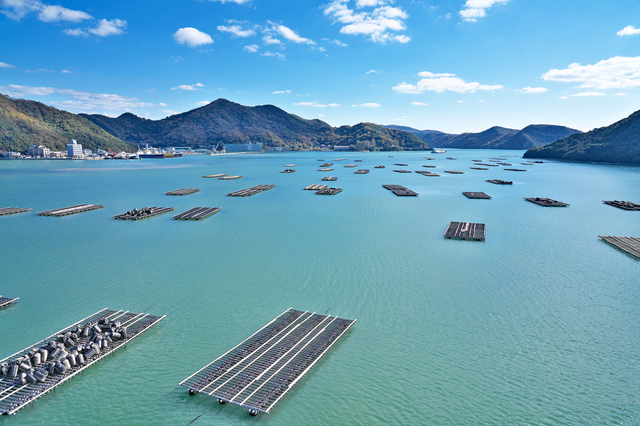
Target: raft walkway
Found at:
x=6, y=301
x=197, y=213
x=183, y=191
x=477, y=195
x=329, y=178
x=361, y=172
x=500, y=182
x=329, y=191
x=40, y=368
x=251, y=191
x=465, y=231
x=315, y=187
x=258, y=372
x=80, y=208
x=12, y=210
x=629, y=245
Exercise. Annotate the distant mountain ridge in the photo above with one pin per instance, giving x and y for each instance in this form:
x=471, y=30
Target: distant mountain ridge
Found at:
x=24, y=123
x=495, y=137
x=617, y=143
x=228, y=122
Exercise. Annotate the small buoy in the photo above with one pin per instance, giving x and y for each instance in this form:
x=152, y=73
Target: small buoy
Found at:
x=253, y=412
x=192, y=392
x=222, y=401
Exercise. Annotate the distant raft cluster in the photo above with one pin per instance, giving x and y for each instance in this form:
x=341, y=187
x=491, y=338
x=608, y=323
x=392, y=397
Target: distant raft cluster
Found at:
x=63, y=353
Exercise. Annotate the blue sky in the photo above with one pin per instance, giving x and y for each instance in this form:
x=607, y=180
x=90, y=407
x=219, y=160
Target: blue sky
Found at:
x=449, y=65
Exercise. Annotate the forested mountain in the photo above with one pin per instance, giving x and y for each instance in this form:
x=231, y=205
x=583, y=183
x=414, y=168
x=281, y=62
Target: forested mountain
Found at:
x=24, y=123
x=617, y=143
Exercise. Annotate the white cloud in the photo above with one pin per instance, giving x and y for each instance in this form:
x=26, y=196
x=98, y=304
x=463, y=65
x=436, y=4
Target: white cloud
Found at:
x=189, y=87
x=533, y=90
x=170, y=112
x=443, y=82
x=77, y=32
x=81, y=101
x=588, y=94
x=66, y=72
x=334, y=105
x=320, y=115
x=18, y=9
x=290, y=35
x=192, y=37
x=5, y=65
x=475, y=9
x=236, y=30
x=613, y=73
x=162, y=104
x=253, y=48
x=460, y=102
x=203, y=103
x=563, y=97
x=314, y=104
x=59, y=13
x=379, y=25
x=370, y=105
x=419, y=103
x=373, y=72
x=338, y=43
x=280, y=92
x=621, y=94
x=268, y=39
x=273, y=54
x=39, y=70
x=629, y=30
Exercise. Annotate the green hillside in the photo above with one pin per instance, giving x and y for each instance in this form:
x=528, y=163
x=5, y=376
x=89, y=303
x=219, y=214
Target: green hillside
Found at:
x=24, y=123
x=617, y=143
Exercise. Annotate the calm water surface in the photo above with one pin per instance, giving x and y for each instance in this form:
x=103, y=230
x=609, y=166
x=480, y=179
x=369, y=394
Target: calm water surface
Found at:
x=540, y=324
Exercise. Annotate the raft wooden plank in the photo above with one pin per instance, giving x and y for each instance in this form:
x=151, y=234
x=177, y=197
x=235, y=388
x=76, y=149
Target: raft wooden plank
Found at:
x=629, y=245
x=230, y=177
x=361, y=172
x=197, y=213
x=465, y=231
x=66, y=211
x=217, y=175
x=477, y=195
x=12, y=210
x=183, y=191
x=6, y=301
x=624, y=205
x=546, y=202
x=329, y=178
x=152, y=211
x=259, y=371
x=329, y=191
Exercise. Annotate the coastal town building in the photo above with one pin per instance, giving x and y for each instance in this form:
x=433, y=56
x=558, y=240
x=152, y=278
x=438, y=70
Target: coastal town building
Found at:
x=39, y=151
x=340, y=148
x=243, y=147
x=74, y=149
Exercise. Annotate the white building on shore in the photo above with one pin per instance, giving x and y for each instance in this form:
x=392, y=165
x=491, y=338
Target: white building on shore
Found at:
x=74, y=149
x=243, y=147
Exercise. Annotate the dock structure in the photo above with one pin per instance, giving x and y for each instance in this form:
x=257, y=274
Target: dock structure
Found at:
x=339, y=159
x=428, y=166
x=350, y=165
x=425, y=173
x=329, y=191
x=12, y=210
x=32, y=372
x=486, y=165
x=477, y=195
x=288, y=171
x=478, y=168
x=451, y=158
x=527, y=164
x=546, y=202
x=629, y=245
x=500, y=182
x=400, y=190
x=624, y=205
x=325, y=170
x=197, y=213
x=428, y=158
x=289, y=165
x=183, y=191
x=315, y=187
x=358, y=161
x=326, y=165
x=361, y=172
x=465, y=231
x=454, y=172
x=516, y=170
x=230, y=177
x=80, y=208
x=6, y=301
x=329, y=178
x=258, y=372
x=402, y=171
x=214, y=176
x=379, y=167
x=400, y=164
x=143, y=213
x=251, y=191
x=505, y=164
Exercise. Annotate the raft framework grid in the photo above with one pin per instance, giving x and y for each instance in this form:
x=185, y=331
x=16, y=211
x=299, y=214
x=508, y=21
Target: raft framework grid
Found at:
x=6, y=301
x=14, y=397
x=258, y=372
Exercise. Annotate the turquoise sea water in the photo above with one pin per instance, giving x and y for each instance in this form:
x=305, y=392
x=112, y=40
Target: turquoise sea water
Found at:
x=540, y=324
